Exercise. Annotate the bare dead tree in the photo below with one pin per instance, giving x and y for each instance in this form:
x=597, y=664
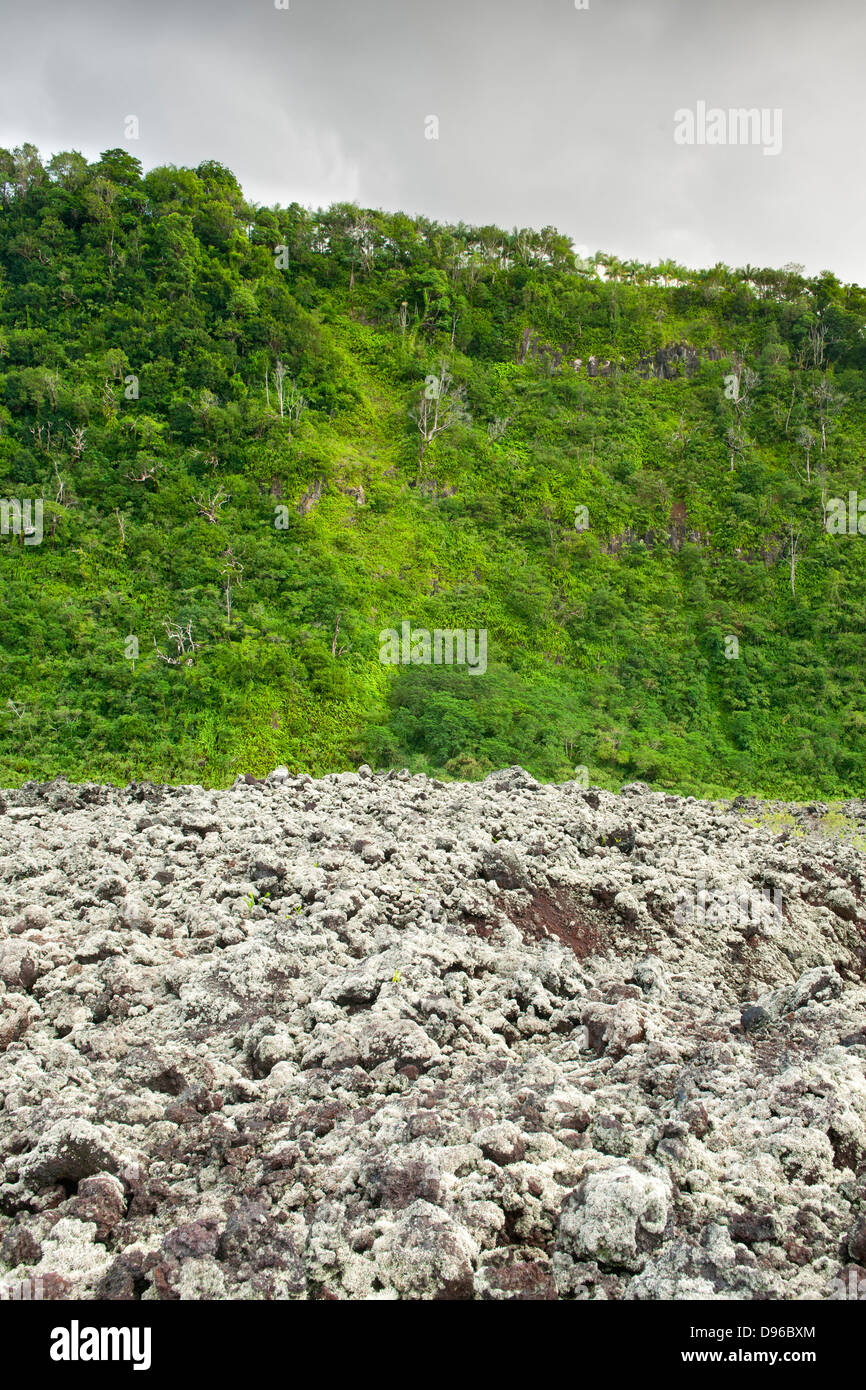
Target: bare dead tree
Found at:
x=817, y=343
x=44, y=444
x=60, y=483
x=122, y=527
x=279, y=377
x=184, y=645
x=829, y=402
x=819, y=339
x=822, y=474
x=743, y=399
x=297, y=404
x=147, y=475
x=806, y=440
x=442, y=405
x=744, y=383
x=793, y=542
x=335, y=650
x=791, y=406
x=232, y=577
x=78, y=435
x=209, y=508
x=736, y=442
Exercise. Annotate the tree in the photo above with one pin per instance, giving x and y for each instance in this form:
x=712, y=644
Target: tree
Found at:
x=682, y=436
x=232, y=576
x=279, y=378
x=735, y=439
x=739, y=386
x=210, y=507
x=68, y=168
x=7, y=176
x=793, y=542
x=668, y=271
x=829, y=402
x=120, y=167
x=442, y=406
x=819, y=337
x=185, y=647
x=806, y=440
x=28, y=168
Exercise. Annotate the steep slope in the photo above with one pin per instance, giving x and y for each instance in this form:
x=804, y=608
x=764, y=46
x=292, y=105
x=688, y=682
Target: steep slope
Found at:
x=220, y=409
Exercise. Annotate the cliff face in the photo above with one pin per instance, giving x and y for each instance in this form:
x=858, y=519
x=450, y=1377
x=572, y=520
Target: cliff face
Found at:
x=377, y=1037
x=666, y=363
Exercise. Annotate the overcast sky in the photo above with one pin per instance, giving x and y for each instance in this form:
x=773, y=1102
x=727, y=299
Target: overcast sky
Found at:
x=547, y=114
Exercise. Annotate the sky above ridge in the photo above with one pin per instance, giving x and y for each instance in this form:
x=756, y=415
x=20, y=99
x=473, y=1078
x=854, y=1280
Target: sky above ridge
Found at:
x=610, y=122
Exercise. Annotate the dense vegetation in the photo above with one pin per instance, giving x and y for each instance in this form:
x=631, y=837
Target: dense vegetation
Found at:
x=223, y=408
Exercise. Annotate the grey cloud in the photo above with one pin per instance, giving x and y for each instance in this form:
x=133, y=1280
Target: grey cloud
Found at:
x=548, y=114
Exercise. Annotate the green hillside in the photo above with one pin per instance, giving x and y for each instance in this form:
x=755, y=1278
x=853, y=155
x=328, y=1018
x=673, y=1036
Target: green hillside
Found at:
x=219, y=405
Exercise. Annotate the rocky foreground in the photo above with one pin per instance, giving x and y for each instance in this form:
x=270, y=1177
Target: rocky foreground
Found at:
x=376, y=1037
